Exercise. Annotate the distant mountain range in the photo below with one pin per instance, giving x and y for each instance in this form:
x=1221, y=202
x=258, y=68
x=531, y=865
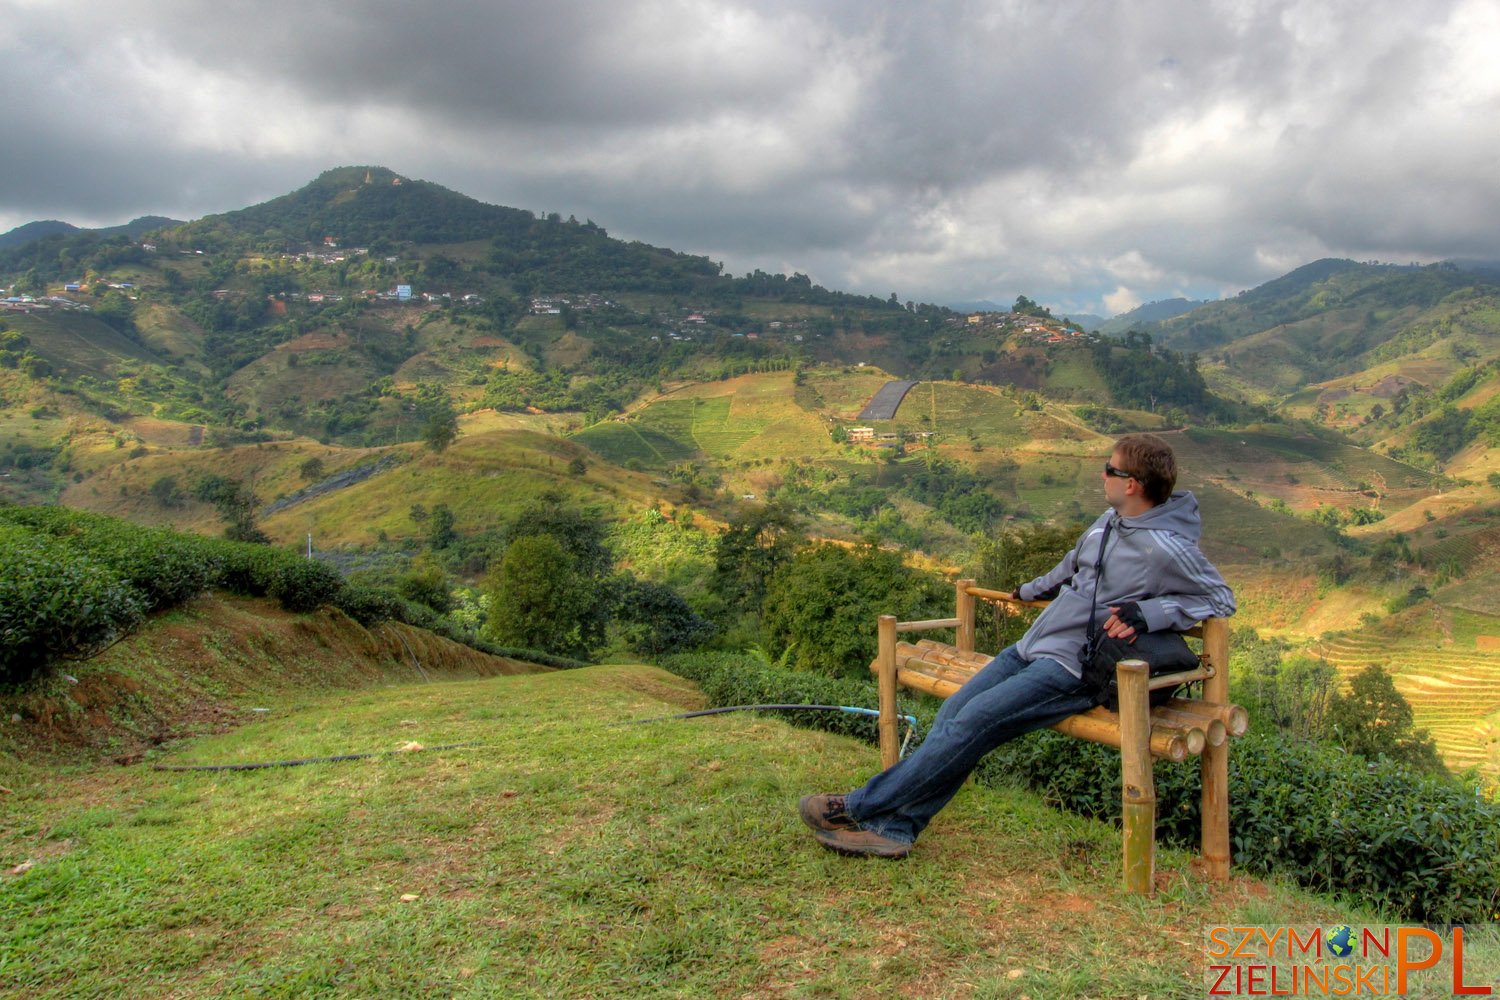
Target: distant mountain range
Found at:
x=32, y=231
x=1150, y=313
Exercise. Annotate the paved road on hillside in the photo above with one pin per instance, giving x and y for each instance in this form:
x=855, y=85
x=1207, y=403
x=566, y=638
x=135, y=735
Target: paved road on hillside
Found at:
x=882, y=406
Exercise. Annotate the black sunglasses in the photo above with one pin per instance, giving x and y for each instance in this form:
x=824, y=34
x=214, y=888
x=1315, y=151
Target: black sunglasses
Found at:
x=1110, y=470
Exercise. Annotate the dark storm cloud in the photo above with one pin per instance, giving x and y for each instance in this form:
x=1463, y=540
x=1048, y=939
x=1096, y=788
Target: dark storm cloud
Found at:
x=1089, y=153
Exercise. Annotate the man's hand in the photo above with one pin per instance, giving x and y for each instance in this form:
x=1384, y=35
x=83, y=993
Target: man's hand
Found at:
x=1115, y=628
x=1125, y=621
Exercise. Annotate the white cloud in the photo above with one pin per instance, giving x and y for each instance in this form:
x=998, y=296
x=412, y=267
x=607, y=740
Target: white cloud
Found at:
x=1121, y=300
x=1084, y=154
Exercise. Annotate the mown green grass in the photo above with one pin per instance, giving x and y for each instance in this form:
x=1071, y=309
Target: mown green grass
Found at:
x=569, y=857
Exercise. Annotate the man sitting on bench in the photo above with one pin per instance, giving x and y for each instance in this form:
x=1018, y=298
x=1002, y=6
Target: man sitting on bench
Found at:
x=1154, y=578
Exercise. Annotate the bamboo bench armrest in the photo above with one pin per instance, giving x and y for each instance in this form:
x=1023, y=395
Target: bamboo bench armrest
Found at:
x=1003, y=597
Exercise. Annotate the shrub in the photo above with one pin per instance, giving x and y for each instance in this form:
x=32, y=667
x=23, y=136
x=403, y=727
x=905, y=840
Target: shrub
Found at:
x=304, y=584
x=55, y=601
x=368, y=605
x=656, y=620
x=821, y=603
x=1378, y=830
x=427, y=584
x=247, y=568
x=541, y=600
x=165, y=566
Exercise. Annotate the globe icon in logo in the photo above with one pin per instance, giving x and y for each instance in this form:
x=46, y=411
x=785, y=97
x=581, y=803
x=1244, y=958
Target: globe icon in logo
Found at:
x=1340, y=940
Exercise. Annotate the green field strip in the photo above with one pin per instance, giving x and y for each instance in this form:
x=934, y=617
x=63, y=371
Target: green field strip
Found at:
x=648, y=443
x=642, y=439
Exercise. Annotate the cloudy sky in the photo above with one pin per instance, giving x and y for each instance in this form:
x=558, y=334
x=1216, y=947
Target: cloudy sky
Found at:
x=1091, y=154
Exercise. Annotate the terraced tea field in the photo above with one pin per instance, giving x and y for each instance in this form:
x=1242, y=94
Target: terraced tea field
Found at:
x=1450, y=676
x=1481, y=546
x=1304, y=471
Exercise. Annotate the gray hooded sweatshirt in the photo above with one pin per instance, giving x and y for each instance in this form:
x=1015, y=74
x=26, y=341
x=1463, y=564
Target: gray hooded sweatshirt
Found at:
x=1151, y=559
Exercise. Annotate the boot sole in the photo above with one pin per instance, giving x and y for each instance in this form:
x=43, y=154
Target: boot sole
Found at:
x=890, y=849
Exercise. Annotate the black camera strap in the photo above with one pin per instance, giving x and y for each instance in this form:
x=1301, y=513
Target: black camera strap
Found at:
x=1093, y=629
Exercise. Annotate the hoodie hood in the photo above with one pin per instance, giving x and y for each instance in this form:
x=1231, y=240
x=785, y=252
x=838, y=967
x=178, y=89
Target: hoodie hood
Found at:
x=1179, y=514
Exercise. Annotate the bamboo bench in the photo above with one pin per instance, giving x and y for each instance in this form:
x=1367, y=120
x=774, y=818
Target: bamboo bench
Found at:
x=1180, y=728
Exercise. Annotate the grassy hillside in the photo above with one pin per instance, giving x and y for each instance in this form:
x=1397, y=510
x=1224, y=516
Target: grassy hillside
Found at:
x=78, y=344
x=199, y=667
x=562, y=856
x=1302, y=470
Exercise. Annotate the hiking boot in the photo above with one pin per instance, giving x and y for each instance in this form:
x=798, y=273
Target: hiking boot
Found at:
x=825, y=812
x=862, y=843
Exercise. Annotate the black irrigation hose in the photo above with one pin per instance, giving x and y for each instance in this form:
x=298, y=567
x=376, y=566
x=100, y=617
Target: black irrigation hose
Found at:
x=303, y=760
x=911, y=720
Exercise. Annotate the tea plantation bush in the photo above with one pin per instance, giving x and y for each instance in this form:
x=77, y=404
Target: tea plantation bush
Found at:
x=370, y=605
x=304, y=584
x=166, y=567
x=71, y=580
x=55, y=601
x=247, y=568
x=1417, y=845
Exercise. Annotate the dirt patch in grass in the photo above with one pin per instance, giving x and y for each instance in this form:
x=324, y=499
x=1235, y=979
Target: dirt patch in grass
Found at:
x=319, y=340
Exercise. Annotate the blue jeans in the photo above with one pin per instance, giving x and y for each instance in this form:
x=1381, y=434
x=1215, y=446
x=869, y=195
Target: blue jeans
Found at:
x=1008, y=698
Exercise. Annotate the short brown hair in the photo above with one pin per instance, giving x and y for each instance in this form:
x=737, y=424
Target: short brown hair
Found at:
x=1150, y=461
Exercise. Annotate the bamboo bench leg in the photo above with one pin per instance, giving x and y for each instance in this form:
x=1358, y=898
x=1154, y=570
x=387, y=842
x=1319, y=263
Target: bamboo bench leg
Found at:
x=890, y=746
x=1138, y=792
x=1215, y=762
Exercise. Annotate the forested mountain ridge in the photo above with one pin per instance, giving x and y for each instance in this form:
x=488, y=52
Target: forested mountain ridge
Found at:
x=1336, y=318
x=33, y=231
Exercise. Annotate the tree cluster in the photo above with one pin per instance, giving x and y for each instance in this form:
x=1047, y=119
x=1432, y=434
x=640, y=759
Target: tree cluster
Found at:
x=1146, y=378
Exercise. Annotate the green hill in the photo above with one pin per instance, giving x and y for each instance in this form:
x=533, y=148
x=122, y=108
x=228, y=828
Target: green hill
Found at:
x=1336, y=318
